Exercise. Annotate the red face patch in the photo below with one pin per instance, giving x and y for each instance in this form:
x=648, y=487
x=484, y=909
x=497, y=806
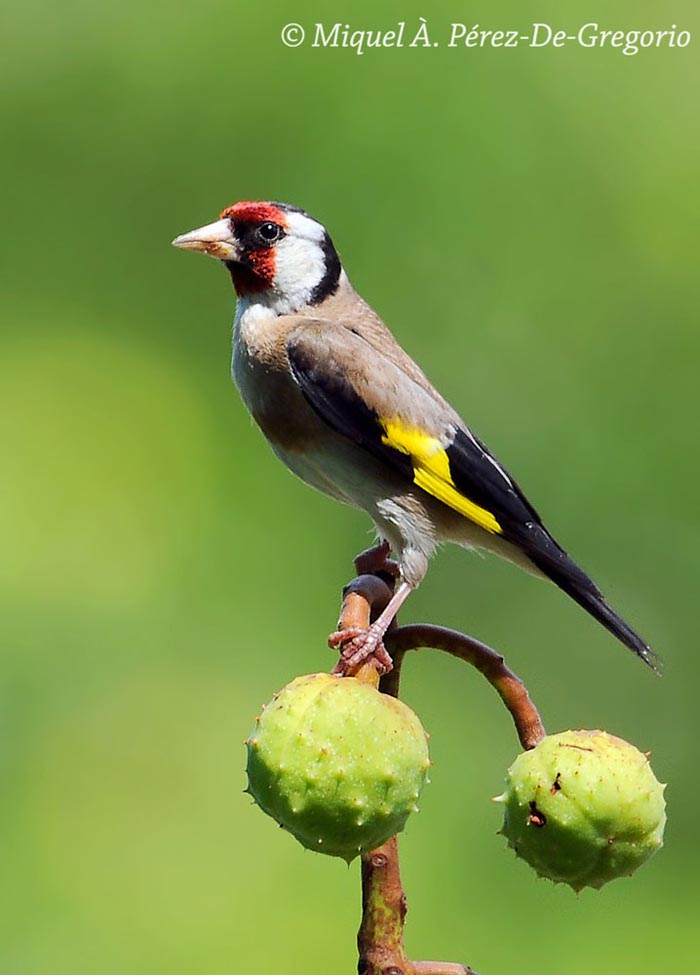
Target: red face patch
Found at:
x=256, y=270
x=255, y=213
x=262, y=264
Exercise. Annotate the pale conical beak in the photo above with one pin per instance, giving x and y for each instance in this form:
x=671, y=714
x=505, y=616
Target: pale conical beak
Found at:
x=216, y=239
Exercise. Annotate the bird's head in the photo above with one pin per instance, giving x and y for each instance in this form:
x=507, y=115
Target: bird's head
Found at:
x=277, y=255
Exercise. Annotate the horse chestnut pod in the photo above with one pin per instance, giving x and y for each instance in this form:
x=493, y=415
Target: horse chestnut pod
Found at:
x=583, y=807
x=337, y=764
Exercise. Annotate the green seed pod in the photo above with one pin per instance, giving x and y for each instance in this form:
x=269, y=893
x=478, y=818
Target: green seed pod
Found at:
x=337, y=764
x=583, y=808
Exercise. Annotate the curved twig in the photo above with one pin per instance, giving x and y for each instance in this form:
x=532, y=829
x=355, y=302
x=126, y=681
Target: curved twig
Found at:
x=367, y=595
x=487, y=661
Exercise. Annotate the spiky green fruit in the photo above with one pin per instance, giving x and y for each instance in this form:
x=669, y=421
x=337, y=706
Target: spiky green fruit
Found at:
x=336, y=763
x=583, y=808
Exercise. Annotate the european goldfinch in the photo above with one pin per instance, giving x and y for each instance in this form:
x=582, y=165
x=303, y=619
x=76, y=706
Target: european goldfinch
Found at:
x=349, y=412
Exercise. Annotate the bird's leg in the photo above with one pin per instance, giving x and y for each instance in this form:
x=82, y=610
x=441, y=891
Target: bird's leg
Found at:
x=376, y=559
x=358, y=645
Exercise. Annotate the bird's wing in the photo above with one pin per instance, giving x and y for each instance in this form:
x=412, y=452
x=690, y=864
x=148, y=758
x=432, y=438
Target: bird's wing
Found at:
x=370, y=400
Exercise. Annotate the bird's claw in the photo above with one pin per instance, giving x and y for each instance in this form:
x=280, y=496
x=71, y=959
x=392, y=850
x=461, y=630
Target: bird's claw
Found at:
x=339, y=637
x=358, y=645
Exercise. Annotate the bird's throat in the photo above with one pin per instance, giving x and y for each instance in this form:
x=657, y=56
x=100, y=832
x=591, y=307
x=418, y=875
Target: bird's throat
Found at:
x=252, y=278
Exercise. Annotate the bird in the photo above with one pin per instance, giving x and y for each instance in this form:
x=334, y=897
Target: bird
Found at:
x=347, y=410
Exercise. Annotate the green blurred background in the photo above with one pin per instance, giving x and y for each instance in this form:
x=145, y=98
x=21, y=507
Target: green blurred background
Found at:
x=526, y=221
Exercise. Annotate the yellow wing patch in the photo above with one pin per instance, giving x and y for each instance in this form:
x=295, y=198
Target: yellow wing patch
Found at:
x=431, y=471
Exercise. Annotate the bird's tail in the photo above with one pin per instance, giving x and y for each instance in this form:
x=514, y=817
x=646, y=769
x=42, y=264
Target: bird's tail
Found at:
x=563, y=572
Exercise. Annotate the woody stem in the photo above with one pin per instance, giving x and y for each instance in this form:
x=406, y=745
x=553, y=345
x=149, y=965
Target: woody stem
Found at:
x=380, y=939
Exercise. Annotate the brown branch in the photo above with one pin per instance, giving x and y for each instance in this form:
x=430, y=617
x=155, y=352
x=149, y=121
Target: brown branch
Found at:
x=380, y=940
x=488, y=662
x=363, y=600
x=367, y=595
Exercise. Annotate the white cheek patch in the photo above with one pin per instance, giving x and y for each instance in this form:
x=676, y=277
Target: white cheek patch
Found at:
x=299, y=267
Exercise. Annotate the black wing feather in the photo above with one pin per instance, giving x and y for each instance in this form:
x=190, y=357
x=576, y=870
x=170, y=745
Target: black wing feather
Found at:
x=469, y=465
x=475, y=473
x=333, y=397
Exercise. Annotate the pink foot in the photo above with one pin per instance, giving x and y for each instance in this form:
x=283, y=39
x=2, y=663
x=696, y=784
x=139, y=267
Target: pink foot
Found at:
x=359, y=645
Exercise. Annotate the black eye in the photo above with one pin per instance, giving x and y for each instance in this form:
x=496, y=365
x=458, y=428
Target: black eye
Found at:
x=269, y=232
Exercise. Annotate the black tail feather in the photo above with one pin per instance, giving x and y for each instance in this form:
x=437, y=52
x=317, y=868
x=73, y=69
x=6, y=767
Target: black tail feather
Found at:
x=563, y=571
